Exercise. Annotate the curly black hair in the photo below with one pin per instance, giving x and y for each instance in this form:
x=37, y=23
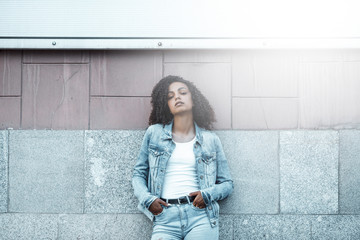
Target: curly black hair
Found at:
x=203, y=113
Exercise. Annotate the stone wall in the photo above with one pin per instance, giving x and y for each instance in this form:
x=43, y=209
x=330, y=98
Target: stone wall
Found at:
x=289, y=184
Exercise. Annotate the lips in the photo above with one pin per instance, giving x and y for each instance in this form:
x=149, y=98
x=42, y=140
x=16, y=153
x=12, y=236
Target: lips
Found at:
x=176, y=104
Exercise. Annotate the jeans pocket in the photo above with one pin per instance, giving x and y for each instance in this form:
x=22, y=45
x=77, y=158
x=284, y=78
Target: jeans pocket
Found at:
x=196, y=208
x=160, y=214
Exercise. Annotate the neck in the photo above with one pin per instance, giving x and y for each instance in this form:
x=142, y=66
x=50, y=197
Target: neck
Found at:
x=183, y=126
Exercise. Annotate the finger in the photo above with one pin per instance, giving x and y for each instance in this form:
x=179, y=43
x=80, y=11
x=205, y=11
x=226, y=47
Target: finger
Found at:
x=193, y=193
x=163, y=202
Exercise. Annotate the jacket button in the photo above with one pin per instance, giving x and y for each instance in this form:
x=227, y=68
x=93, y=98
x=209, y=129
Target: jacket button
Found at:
x=214, y=222
x=201, y=177
x=210, y=207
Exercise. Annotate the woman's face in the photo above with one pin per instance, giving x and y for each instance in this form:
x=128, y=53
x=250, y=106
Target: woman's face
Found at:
x=179, y=98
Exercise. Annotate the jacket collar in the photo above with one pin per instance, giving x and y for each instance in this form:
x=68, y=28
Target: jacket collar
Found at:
x=168, y=132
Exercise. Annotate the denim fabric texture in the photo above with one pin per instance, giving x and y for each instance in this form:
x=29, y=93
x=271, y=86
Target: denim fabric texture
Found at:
x=211, y=165
x=183, y=221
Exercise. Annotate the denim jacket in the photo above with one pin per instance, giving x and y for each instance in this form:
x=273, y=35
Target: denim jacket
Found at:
x=211, y=165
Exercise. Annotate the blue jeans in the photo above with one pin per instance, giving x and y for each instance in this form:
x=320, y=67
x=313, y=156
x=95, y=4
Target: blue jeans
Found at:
x=183, y=221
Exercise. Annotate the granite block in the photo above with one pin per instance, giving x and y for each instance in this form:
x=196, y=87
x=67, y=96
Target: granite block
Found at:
x=119, y=112
x=265, y=113
x=104, y=226
x=10, y=73
x=272, y=227
x=28, y=226
x=46, y=171
x=226, y=227
x=55, y=56
x=254, y=166
x=3, y=171
x=10, y=106
x=214, y=81
x=336, y=227
x=349, y=179
x=55, y=96
x=309, y=172
x=110, y=158
x=125, y=72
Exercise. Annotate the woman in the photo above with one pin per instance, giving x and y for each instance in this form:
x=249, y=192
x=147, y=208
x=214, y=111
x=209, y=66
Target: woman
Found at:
x=181, y=171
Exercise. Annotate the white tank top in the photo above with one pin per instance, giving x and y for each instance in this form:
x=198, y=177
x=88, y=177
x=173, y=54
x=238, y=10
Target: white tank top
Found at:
x=180, y=176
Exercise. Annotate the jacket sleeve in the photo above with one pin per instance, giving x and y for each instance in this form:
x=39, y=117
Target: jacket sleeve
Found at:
x=141, y=173
x=224, y=184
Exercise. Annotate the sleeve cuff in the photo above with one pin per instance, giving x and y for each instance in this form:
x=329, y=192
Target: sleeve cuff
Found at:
x=149, y=201
x=205, y=196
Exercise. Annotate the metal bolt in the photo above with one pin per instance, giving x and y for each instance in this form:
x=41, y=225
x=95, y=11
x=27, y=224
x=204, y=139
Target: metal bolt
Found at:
x=53, y=43
x=159, y=44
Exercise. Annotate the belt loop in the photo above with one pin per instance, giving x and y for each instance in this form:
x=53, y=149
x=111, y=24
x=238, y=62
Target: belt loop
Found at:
x=179, y=200
x=188, y=199
x=167, y=200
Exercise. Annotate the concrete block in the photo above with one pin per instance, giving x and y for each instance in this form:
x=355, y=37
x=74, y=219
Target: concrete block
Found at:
x=10, y=106
x=125, y=73
x=226, y=227
x=254, y=166
x=336, y=227
x=323, y=55
x=55, y=56
x=28, y=226
x=328, y=91
x=110, y=158
x=349, y=179
x=272, y=227
x=55, y=96
x=270, y=73
x=309, y=172
x=197, y=56
x=105, y=226
x=3, y=171
x=265, y=113
x=46, y=171
x=214, y=81
x=10, y=73
x=119, y=112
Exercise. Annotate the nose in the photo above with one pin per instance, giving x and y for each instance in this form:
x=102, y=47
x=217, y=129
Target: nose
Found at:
x=177, y=97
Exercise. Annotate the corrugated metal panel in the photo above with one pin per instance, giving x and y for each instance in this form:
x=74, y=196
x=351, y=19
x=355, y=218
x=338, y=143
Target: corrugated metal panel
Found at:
x=119, y=23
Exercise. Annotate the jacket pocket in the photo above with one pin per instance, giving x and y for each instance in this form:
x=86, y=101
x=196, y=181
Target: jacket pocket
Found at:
x=210, y=163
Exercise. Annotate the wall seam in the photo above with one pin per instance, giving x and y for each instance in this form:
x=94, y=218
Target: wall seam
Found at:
x=58, y=227
x=339, y=147
x=21, y=86
x=298, y=90
x=84, y=169
x=231, y=91
x=279, y=173
x=8, y=171
x=233, y=228
x=163, y=63
x=311, y=225
x=89, y=89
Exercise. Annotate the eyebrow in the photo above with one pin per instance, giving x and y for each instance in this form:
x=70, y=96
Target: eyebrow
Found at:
x=178, y=89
